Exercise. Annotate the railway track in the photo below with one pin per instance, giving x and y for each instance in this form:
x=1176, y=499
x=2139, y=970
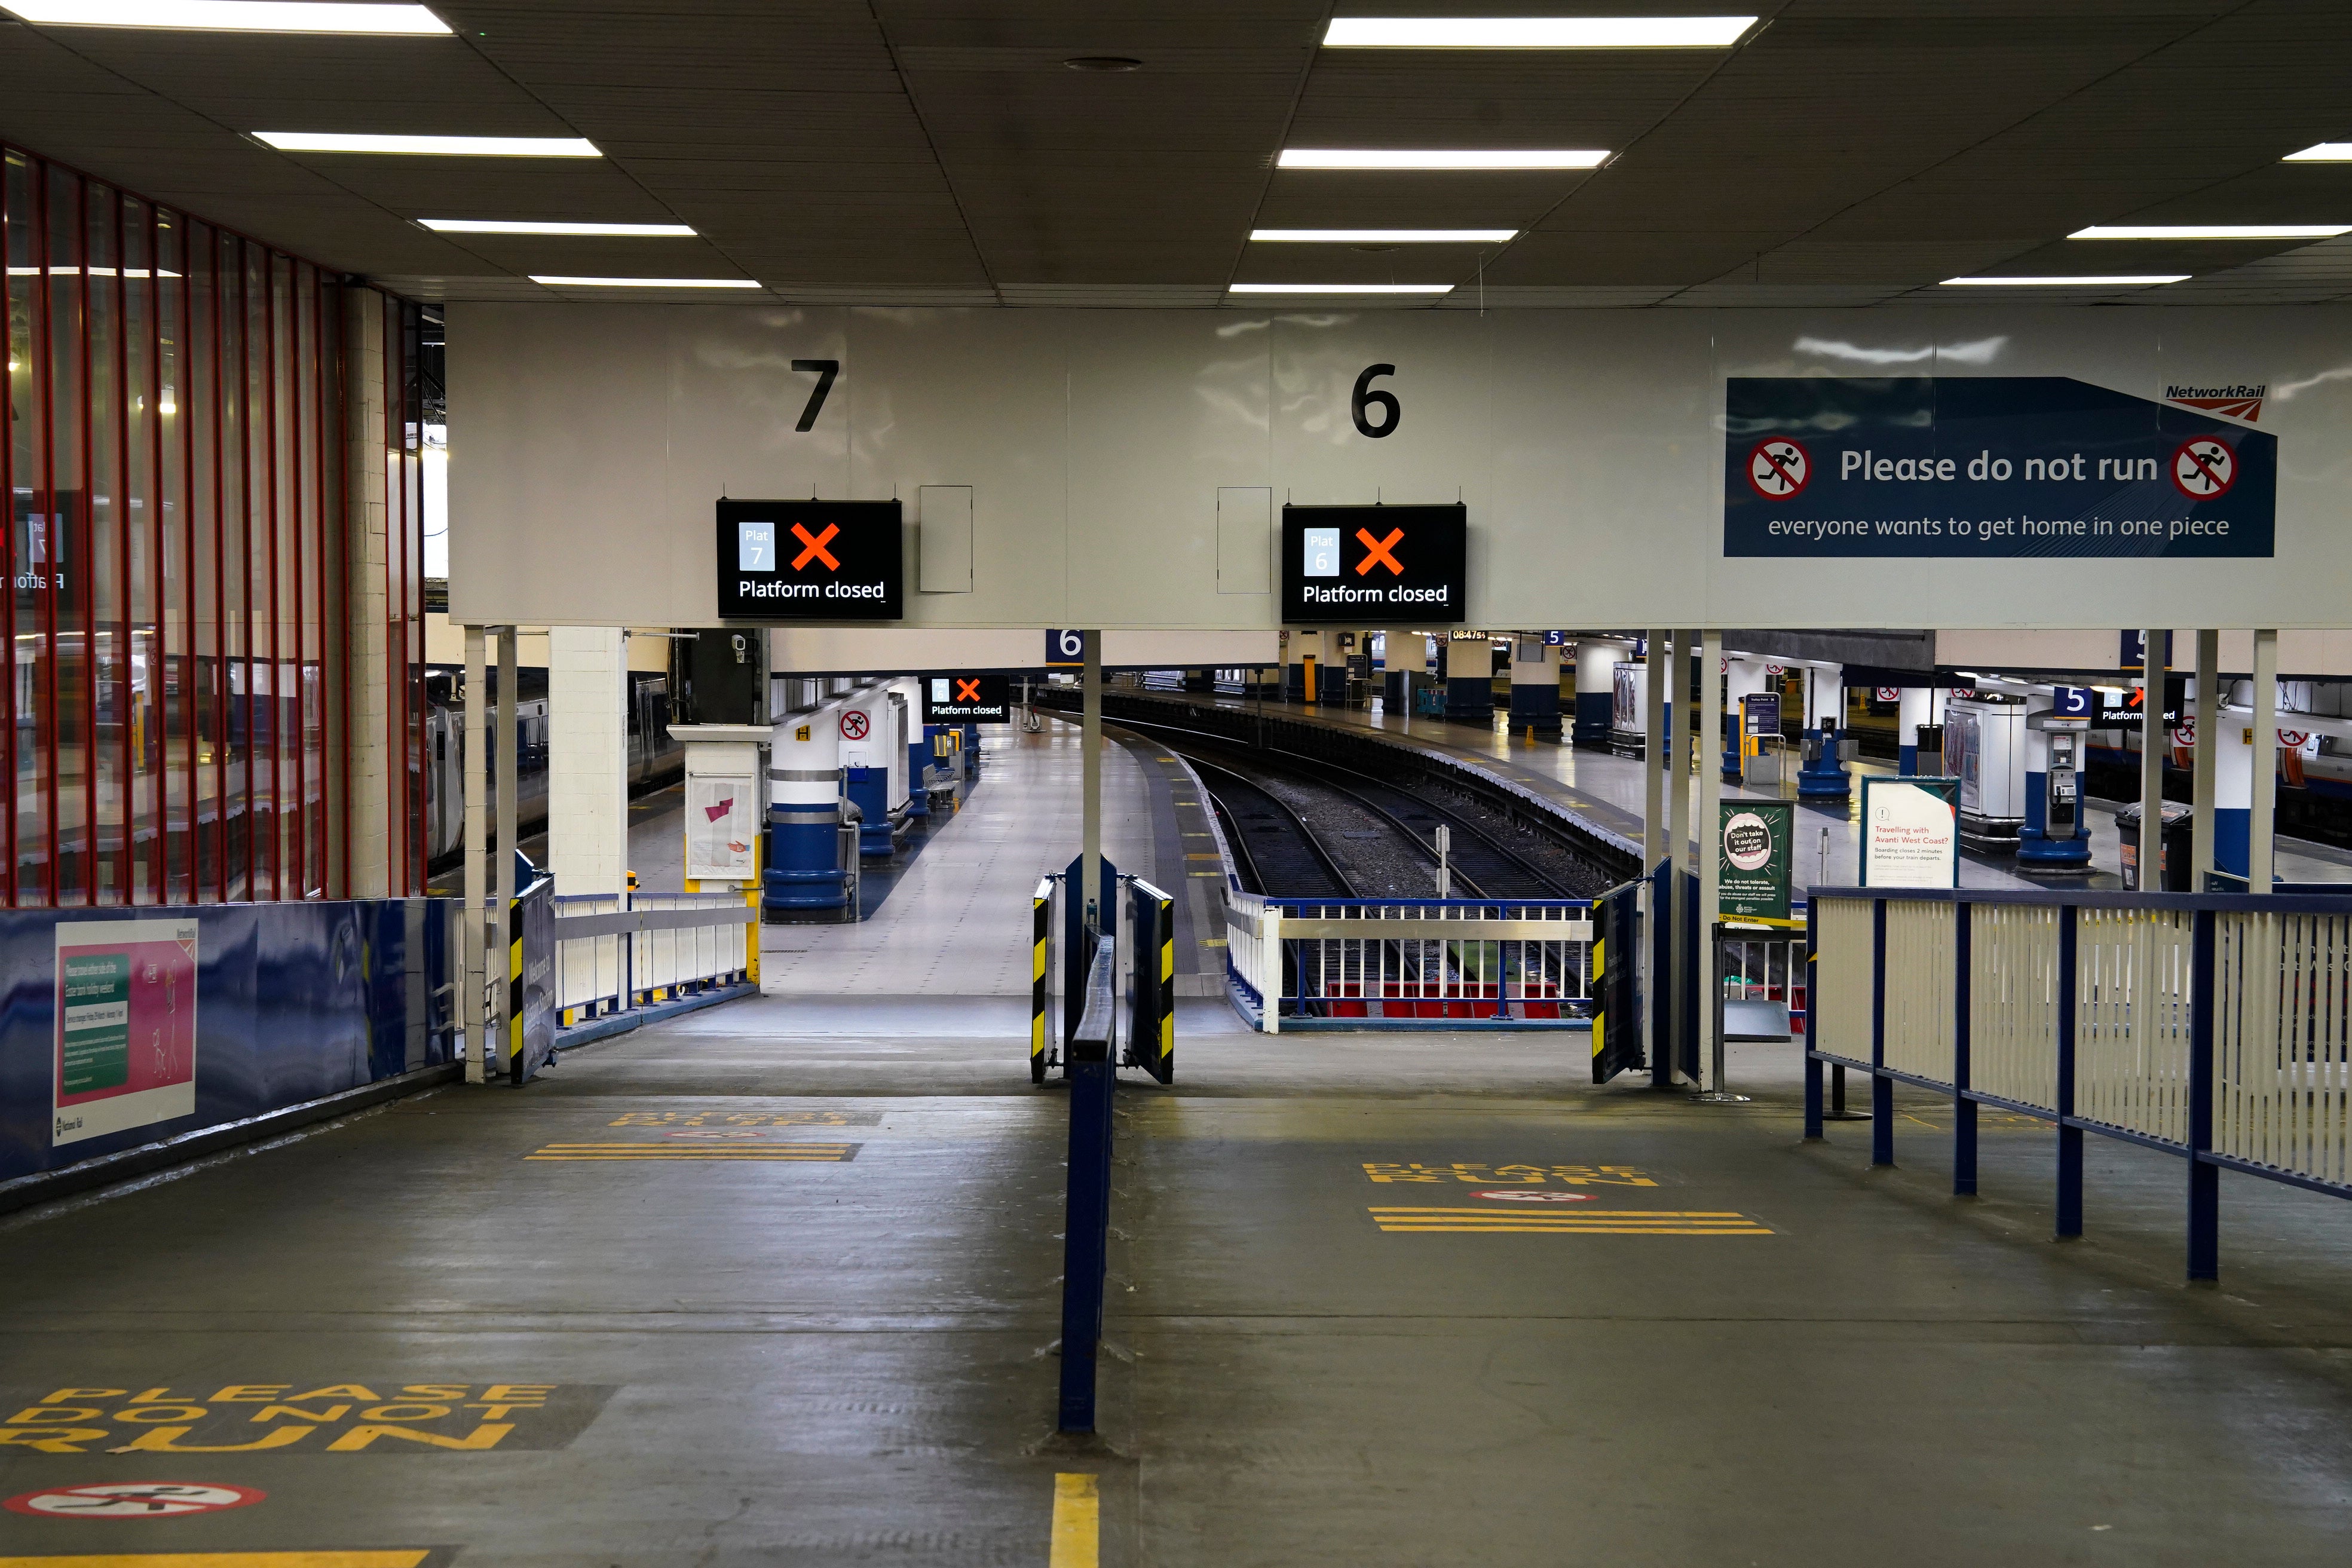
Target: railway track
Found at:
x=1369, y=812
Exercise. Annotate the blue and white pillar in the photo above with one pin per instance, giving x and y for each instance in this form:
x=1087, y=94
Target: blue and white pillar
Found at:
x=1915, y=706
x=1535, y=688
x=1470, y=682
x=803, y=870
x=1597, y=659
x=1742, y=678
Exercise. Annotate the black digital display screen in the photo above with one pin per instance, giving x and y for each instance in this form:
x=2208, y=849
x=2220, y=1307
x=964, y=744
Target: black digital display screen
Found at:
x=811, y=561
x=967, y=699
x=1375, y=565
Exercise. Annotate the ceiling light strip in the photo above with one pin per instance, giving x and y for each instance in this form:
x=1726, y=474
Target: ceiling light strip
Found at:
x=1535, y=32
x=431, y=146
x=552, y=281
x=234, y=16
x=2322, y=153
x=2213, y=231
x=1441, y=158
x=525, y=226
x=1340, y=288
x=2082, y=280
x=1382, y=235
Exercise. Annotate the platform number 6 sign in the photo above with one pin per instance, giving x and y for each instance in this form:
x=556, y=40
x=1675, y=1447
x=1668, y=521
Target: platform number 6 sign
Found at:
x=1066, y=648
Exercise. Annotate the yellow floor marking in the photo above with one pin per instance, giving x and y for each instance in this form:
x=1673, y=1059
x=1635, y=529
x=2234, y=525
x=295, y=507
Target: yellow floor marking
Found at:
x=1586, y=1222
x=1203, y=857
x=804, y=1153
x=225, y=1560
x=1077, y=1524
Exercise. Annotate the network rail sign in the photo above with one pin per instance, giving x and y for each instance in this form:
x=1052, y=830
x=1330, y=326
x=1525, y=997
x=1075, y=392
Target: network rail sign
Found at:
x=810, y=560
x=1980, y=466
x=1350, y=563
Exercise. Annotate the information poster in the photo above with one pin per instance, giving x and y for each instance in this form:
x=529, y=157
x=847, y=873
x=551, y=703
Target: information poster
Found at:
x=1759, y=714
x=126, y=1030
x=1752, y=865
x=722, y=824
x=1910, y=833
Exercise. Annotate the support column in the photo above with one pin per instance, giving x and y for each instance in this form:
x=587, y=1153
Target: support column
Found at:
x=502, y=882
x=474, y=759
x=1913, y=707
x=2039, y=845
x=366, y=816
x=1657, y=858
x=1825, y=777
x=1470, y=682
x=2151, y=760
x=805, y=877
x=1710, y=798
x=1535, y=689
x=1746, y=678
x=2203, y=753
x=587, y=760
x=1597, y=659
x=1680, y=745
x=2262, y=805
x=1090, y=879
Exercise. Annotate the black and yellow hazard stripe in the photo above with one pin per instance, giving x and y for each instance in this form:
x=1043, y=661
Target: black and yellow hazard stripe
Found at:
x=514, y=992
x=1167, y=1069
x=1599, y=962
x=1040, y=920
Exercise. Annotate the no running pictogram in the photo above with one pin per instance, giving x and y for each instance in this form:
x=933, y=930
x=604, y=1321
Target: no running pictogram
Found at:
x=1778, y=468
x=2203, y=467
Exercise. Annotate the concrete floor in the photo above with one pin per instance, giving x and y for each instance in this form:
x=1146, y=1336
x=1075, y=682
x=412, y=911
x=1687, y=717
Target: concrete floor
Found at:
x=709, y=1351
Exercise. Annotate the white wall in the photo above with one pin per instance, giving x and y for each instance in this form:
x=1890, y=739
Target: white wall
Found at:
x=591, y=442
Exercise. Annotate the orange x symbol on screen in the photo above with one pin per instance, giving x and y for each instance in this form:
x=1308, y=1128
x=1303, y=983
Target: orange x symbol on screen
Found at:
x=967, y=691
x=816, y=547
x=1376, y=553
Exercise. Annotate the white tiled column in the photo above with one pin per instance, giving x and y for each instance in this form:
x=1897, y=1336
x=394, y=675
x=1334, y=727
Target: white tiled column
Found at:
x=587, y=760
x=366, y=816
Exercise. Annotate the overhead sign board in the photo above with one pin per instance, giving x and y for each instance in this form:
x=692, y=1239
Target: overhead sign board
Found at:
x=1360, y=562
x=968, y=700
x=1984, y=466
x=1752, y=844
x=810, y=560
x=1910, y=833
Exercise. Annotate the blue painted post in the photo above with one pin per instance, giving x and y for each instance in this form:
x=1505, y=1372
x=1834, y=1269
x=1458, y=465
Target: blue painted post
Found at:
x=2070, y=1139
x=1661, y=976
x=1085, y=1237
x=1882, y=1087
x=1813, y=1024
x=2204, y=1178
x=1964, y=1109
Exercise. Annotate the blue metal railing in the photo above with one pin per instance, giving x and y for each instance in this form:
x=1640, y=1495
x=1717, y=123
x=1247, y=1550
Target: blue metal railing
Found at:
x=1093, y=1075
x=2210, y=1027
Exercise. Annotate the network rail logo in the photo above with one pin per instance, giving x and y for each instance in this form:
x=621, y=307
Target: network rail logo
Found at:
x=2238, y=400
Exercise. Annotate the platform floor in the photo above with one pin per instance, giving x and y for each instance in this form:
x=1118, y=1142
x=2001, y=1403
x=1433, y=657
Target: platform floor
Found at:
x=777, y=1283
x=1607, y=789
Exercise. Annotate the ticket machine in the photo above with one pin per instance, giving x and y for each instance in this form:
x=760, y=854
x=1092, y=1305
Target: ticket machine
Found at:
x=2055, y=837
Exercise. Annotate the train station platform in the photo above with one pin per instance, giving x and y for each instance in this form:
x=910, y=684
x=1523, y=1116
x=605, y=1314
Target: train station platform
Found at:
x=778, y=1282
x=1606, y=789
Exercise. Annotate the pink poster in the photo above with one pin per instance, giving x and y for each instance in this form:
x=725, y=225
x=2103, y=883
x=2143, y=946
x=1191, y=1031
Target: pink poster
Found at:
x=126, y=1035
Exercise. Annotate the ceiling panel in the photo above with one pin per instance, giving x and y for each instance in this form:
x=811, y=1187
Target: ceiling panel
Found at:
x=1851, y=152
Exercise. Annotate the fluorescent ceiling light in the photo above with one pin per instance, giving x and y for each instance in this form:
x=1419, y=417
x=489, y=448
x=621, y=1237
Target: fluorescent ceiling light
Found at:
x=445, y=146
x=1535, y=32
x=1382, y=235
x=1444, y=158
x=2213, y=231
x=553, y=282
x=2077, y=280
x=1340, y=288
x=2323, y=152
x=231, y=16
x=503, y=226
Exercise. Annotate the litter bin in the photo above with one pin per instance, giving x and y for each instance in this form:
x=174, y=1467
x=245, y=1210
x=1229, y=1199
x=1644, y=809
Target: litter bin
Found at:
x=2174, y=865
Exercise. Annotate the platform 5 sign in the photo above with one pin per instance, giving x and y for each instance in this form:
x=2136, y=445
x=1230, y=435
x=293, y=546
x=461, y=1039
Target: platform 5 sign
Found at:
x=1370, y=563
x=810, y=560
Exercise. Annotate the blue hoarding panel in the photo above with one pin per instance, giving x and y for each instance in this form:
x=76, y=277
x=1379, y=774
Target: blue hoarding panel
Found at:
x=1987, y=467
x=293, y=1002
